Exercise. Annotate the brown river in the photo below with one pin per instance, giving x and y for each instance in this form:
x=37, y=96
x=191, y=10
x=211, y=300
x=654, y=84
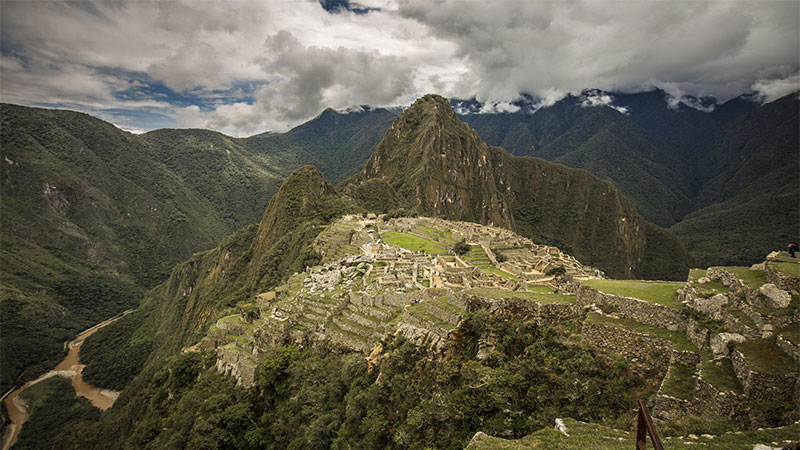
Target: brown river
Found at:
x=70, y=368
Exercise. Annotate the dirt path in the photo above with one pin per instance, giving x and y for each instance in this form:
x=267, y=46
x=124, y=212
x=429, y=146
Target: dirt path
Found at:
x=70, y=368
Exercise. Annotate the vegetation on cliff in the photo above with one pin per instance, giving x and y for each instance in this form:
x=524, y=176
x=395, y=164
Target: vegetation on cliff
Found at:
x=311, y=399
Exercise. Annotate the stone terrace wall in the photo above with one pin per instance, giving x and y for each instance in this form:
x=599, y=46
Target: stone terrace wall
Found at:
x=761, y=386
x=232, y=361
x=782, y=280
x=787, y=347
x=641, y=311
x=649, y=351
x=518, y=307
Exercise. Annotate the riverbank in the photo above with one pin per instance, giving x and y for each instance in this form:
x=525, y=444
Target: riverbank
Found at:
x=69, y=367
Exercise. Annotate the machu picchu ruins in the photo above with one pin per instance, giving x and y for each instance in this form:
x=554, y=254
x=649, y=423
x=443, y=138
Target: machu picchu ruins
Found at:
x=721, y=342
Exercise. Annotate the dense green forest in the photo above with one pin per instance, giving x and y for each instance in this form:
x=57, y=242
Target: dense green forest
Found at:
x=88, y=206
x=316, y=399
x=54, y=408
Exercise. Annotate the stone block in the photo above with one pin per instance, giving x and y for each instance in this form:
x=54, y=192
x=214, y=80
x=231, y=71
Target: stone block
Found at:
x=719, y=343
x=773, y=296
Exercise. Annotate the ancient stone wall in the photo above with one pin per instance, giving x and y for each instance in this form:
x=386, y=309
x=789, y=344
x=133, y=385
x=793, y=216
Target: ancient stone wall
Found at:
x=638, y=348
x=762, y=386
x=232, y=361
x=782, y=280
x=641, y=311
x=696, y=333
x=787, y=347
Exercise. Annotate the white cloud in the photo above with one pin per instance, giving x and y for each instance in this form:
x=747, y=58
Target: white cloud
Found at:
x=599, y=98
x=253, y=65
x=774, y=89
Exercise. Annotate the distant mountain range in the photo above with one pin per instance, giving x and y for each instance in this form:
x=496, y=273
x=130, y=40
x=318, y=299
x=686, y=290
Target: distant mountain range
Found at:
x=92, y=213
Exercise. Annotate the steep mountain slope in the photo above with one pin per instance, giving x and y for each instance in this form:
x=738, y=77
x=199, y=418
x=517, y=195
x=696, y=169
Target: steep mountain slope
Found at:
x=337, y=143
x=92, y=215
x=605, y=142
x=432, y=163
x=177, y=312
x=749, y=205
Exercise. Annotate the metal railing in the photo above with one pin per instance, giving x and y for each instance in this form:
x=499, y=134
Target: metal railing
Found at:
x=644, y=427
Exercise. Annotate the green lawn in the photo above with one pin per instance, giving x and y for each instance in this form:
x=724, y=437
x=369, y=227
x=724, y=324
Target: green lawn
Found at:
x=719, y=373
x=421, y=310
x=739, y=314
x=499, y=272
x=411, y=242
x=696, y=274
x=445, y=303
x=527, y=295
x=679, y=340
x=681, y=381
x=786, y=267
x=661, y=292
x=711, y=288
x=540, y=289
x=764, y=356
x=791, y=333
x=753, y=279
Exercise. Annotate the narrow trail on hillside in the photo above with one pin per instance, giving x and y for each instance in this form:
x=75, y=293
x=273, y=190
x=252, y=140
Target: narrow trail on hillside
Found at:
x=69, y=367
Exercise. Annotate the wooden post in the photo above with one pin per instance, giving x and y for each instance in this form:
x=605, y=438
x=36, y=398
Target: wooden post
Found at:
x=644, y=427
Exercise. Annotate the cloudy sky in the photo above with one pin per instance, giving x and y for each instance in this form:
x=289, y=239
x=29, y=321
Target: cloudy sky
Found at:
x=243, y=67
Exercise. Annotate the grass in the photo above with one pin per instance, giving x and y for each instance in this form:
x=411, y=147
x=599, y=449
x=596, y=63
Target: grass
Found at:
x=696, y=274
x=679, y=340
x=235, y=319
x=719, y=373
x=753, y=279
x=787, y=267
x=791, y=333
x=411, y=242
x=445, y=303
x=764, y=356
x=599, y=437
x=712, y=288
x=739, y=315
x=421, y=311
x=660, y=292
x=499, y=272
x=681, y=381
x=540, y=289
x=539, y=297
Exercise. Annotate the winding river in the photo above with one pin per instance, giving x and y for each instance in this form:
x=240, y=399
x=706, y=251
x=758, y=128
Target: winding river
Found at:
x=70, y=368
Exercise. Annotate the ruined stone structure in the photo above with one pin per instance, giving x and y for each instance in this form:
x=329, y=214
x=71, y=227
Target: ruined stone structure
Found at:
x=366, y=289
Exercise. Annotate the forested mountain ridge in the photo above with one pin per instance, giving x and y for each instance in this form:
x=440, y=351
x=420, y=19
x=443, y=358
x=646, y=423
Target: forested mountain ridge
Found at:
x=748, y=203
x=92, y=216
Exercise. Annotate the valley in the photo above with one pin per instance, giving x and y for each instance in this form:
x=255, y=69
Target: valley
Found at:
x=399, y=224
x=70, y=367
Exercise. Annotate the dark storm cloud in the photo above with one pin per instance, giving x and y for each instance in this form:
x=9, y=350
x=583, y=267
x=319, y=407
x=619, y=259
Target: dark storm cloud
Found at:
x=547, y=48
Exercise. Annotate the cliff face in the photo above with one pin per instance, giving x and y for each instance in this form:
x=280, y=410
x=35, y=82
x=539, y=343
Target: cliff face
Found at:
x=436, y=165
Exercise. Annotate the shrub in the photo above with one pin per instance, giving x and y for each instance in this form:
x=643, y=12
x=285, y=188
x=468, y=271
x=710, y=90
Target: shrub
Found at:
x=461, y=247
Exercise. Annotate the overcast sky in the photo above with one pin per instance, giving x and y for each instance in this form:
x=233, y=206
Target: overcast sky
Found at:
x=243, y=67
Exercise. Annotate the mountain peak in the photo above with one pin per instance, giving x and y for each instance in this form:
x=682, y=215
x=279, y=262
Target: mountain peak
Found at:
x=297, y=196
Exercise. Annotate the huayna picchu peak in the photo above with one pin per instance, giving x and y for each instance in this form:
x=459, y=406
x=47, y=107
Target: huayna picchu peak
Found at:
x=431, y=163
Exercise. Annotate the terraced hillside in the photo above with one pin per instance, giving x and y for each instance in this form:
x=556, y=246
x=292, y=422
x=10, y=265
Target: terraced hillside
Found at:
x=723, y=344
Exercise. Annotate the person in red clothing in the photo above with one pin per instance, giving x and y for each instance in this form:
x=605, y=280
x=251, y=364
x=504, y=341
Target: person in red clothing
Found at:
x=793, y=248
